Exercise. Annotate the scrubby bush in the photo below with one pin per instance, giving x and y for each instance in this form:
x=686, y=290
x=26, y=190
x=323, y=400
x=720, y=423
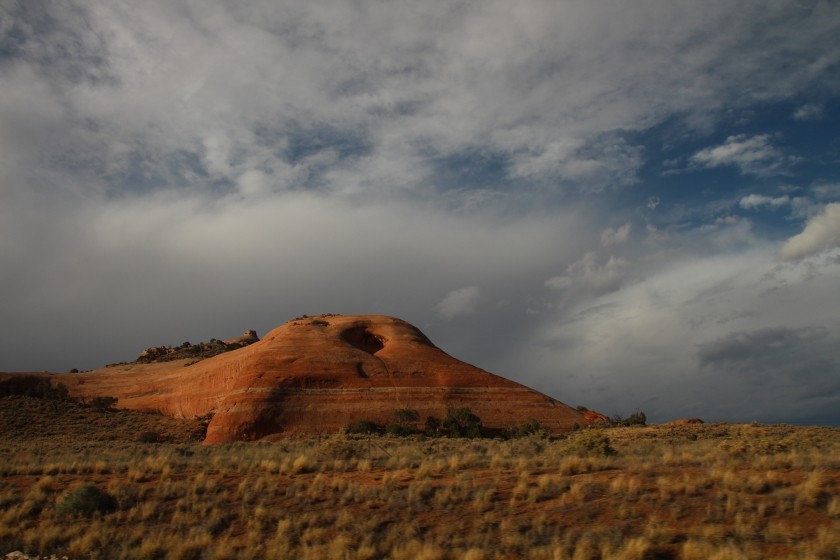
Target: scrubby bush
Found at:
x=394, y=429
x=594, y=442
x=432, y=426
x=363, y=427
x=461, y=422
x=149, y=437
x=45, y=390
x=636, y=419
x=86, y=500
x=405, y=422
x=103, y=403
x=529, y=428
x=406, y=416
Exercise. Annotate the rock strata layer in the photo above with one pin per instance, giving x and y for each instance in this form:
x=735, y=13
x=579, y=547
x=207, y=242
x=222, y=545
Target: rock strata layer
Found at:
x=317, y=374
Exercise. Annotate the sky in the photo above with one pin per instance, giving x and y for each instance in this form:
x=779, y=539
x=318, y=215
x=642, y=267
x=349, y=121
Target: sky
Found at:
x=624, y=205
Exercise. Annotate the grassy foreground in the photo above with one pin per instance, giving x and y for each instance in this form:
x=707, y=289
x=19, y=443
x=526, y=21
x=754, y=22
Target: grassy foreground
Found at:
x=693, y=492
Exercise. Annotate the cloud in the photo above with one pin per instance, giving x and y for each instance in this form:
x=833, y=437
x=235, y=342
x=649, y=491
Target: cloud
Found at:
x=752, y=201
x=760, y=348
x=821, y=233
x=809, y=112
x=750, y=154
x=589, y=276
x=177, y=170
x=592, y=167
x=457, y=303
x=657, y=343
x=610, y=237
x=798, y=358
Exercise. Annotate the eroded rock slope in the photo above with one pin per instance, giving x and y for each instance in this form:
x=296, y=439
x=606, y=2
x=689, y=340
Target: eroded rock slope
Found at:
x=317, y=374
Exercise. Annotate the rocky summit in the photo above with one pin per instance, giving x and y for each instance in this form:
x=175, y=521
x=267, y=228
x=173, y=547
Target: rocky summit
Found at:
x=318, y=374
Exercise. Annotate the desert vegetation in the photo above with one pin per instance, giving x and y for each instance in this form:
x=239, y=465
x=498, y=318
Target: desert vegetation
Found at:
x=87, y=483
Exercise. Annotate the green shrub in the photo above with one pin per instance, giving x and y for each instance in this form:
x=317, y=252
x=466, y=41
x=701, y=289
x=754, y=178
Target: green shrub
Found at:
x=85, y=501
x=103, y=403
x=394, y=429
x=432, y=426
x=45, y=390
x=149, y=437
x=594, y=442
x=405, y=422
x=529, y=428
x=461, y=422
x=363, y=427
x=637, y=419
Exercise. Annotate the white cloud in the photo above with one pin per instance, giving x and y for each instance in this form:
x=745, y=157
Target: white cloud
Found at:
x=662, y=343
x=750, y=154
x=591, y=167
x=610, y=237
x=589, y=276
x=821, y=233
x=757, y=200
x=462, y=301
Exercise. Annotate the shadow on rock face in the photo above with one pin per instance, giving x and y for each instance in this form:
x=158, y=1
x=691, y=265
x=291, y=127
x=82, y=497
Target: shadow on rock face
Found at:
x=363, y=339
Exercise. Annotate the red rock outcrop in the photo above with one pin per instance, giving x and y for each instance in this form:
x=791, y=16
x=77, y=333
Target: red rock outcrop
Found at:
x=685, y=421
x=317, y=374
x=593, y=417
x=248, y=337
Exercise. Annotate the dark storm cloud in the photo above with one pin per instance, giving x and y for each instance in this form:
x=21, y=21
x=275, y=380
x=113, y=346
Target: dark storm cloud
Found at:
x=802, y=357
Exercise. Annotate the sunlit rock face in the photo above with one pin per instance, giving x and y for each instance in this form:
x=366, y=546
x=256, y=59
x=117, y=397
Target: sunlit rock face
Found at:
x=316, y=375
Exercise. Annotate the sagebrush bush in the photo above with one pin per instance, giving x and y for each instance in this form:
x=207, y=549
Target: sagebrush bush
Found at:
x=364, y=427
x=595, y=442
x=86, y=500
x=149, y=437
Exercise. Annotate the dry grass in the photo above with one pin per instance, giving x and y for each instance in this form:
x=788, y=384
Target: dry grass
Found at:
x=711, y=492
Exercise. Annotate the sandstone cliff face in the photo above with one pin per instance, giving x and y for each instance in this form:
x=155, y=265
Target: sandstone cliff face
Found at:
x=317, y=374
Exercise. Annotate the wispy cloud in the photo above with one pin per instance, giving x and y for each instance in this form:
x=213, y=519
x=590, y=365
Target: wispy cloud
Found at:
x=588, y=275
x=750, y=154
x=610, y=237
x=809, y=112
x=752, y=201
x=462, y=301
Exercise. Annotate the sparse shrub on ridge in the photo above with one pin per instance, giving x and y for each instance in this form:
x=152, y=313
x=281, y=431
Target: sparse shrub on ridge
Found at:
x=636, y=419
x=45, y=390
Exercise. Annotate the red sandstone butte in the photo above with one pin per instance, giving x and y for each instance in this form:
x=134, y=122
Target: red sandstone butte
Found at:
x=317, y=374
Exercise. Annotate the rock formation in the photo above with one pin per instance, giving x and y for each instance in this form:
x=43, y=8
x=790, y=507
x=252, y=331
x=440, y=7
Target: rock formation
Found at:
x=247, y=338
x=317, y=374
x=685, y=421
